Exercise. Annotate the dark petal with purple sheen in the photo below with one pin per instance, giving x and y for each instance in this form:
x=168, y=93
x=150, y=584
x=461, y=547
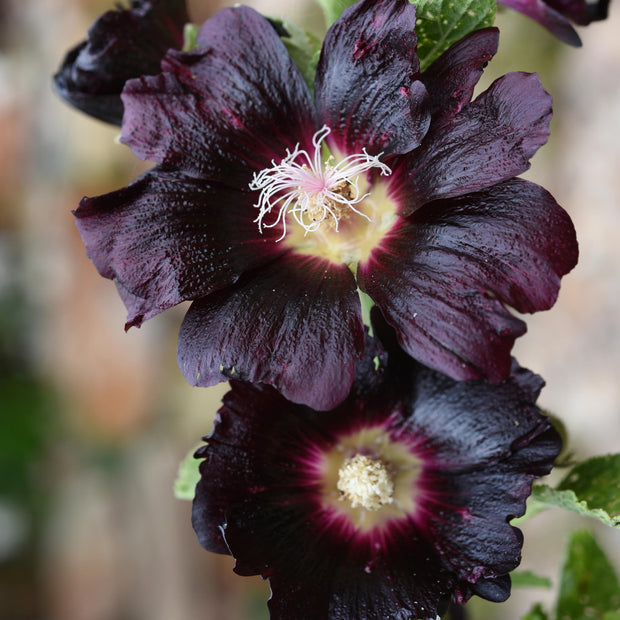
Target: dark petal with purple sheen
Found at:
x=451, y=79
x=317, y=572
x=242, y=436
x=121, y=44
x=274, y=526
x=224, y=110
x=443, y=274
x=367, y=90
x=167, y=238
x=543, y=13
x=295, y=324
x=498, y=418
x=581, y=11
x=259, y=484
x=489, y=141
x=479, y=469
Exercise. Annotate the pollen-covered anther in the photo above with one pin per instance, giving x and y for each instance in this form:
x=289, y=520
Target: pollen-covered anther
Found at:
x=311, y=190
x=365, y=482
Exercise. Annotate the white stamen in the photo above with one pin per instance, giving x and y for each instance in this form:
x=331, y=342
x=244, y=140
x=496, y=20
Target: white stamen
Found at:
x=310, y=190
x=365, y=482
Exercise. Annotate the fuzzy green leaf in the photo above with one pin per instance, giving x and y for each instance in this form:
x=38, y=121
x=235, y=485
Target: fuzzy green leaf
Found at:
x=303, y=47
x=332, y=9
x=590, y=489
x=597, y=481
x=589, y=586
x=537, y=613
x=544, y=497
x=190, y=34
x=440, y=23
x=527, y=579
x=187, y=477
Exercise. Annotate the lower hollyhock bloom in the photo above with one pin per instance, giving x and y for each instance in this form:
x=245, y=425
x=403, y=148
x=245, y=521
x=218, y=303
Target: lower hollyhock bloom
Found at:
x=121, y=44
x=272, y=208
x=557, y=15
x=386, y=507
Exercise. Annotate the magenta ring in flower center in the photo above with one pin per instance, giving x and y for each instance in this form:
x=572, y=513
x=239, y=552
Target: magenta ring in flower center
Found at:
x=369, y=479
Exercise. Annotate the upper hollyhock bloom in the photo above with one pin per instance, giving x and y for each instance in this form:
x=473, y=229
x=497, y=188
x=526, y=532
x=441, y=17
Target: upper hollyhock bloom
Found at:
x=557, y=15
x=270, y=207
x=385, y=507
x=121, y=44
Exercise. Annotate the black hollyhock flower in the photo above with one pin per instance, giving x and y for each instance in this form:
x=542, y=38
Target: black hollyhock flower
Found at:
x=121, y=44
x=270, y=208
x=556, y=15
x=385, y=507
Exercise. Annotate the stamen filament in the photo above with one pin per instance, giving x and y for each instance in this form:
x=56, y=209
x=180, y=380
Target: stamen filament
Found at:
x=310, y=189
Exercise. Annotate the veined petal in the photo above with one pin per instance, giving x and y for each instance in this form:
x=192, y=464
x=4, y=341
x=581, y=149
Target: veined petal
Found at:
x=489, y=141
x=168, y=237
x=472, y=545
x=548, y=17
x=367, y=88
x=121, y=44
x=295, y=324
x=441, y=276
x=224, y=110
x=233, y=423
x=556, y=15
x=487, y=434
x=268, y=480
x=337, y=575
x=451, y=79
x=581, y=12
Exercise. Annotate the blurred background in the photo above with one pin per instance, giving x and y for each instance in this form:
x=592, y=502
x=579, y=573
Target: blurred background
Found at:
x=94, y=421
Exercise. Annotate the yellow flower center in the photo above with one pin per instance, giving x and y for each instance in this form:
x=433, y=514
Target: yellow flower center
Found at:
x=370, y=478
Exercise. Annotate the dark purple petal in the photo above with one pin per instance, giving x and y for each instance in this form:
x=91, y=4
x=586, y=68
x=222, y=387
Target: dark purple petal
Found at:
x=367, y=89
x=489, y=141
x=553, y=20
x=442, y=275
x=478, y=541
x=581, y=11
x=496, y=589
x=241, y=436
x=318, y=573
x=121, y=44
x=260, y=496
x=451, y=79
x=224, y=110
x=499, y=417
x=295, y=324
x=274, y=526
x=167, y=238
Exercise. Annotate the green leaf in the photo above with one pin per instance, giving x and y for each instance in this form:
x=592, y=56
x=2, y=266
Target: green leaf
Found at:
x=544, y=497
x=589, y=489
x=332, y=9
x=187, y=476
x=537, y=613
x=597, y=481
x=527, y=579
x=589, y=586
x=190, y=34
x=303, y=47
x=440, y=23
